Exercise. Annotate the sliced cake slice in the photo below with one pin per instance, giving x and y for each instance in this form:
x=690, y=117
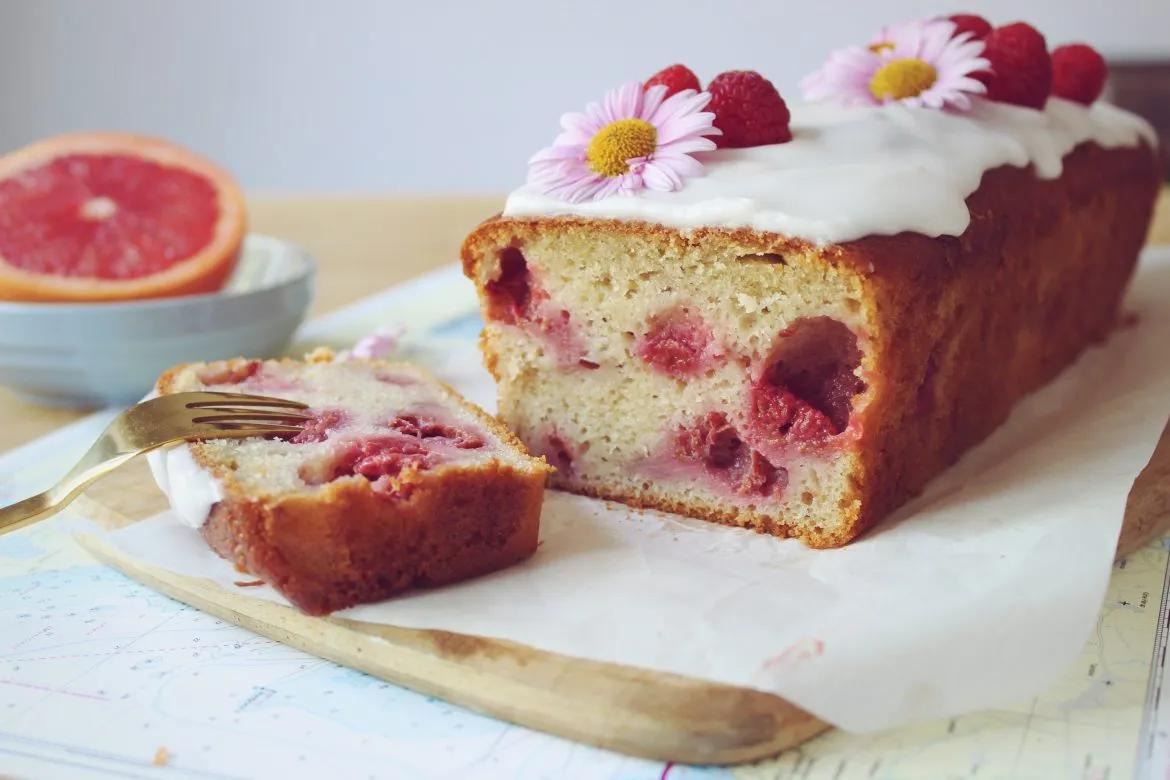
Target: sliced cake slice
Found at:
x=396, y=482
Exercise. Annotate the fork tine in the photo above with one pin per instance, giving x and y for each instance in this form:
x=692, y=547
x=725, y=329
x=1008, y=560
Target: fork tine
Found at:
x=243, y=414
x=237, y=402
x=252, y=429
x=226, y=408
x=212, y=398
x=244, y=402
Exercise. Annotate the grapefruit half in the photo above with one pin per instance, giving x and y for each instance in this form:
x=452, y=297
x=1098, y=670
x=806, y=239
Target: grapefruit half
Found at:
x=114, y=216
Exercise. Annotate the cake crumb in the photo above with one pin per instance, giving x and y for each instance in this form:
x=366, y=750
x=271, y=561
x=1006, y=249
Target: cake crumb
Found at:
x=162, y=757
x=751, y=304
x=248, y=583
x=319, y=355
x=747, y=302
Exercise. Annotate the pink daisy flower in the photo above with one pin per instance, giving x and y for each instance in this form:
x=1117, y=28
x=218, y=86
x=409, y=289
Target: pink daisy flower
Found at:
x=917, y=63
x=634, y=139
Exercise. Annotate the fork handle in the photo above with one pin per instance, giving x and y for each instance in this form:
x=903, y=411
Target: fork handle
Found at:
x=28, y=511
x=93, y=465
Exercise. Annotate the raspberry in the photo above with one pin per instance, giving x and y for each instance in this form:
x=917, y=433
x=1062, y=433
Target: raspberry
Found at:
x=748, y=110
x=423, y=427
x=1078, y=73
x=785, y=416
x=1021, y=70
x=510, y=295
x=715, y=443
x=380, y=460
x=514, y=298
x=675, y=78
x=559, y=453
x=675, y=343
x=979, y=27
x=805, y=393
x=318, y=428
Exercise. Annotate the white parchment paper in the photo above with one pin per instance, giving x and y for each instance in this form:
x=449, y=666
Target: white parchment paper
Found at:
x=976, y=595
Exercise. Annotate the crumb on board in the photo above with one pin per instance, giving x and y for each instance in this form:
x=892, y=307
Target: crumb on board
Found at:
x=162, y=757
x=248, y=583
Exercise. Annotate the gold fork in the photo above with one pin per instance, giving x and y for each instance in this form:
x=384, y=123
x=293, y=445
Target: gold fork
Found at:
x=155, y=423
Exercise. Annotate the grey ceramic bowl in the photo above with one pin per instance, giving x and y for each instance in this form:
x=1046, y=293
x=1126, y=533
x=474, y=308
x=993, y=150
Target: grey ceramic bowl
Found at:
x=97, y=354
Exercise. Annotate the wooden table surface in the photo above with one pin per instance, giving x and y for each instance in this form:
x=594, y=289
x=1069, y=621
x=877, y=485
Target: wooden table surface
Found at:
x=362, y=245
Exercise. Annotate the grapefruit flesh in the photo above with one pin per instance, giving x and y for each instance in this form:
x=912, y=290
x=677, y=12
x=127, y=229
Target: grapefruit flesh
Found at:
x=110, y=216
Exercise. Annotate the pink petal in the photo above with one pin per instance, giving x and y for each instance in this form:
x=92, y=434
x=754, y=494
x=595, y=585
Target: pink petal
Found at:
x=378, y=344
x=651, y=100
x=930, y=98
x=661, y=178
x=966, y=52
x=960, y=101
x=682, y=164
x=580, y=189
x=582, y=123
x=557, y=153
x=680, y=127
x=846, y=73
x=619, y=185
x=966, y=84
x=686, y=146
x=679, y=104
x=622, y=103
x=596, y=114
x=572, y=138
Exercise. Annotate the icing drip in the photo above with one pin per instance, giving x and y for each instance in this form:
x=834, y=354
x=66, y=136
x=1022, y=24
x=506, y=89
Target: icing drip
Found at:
x=191, y=489
x=852, y=172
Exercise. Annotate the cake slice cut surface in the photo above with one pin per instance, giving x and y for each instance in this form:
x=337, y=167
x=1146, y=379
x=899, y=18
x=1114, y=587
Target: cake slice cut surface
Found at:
x=395, y=482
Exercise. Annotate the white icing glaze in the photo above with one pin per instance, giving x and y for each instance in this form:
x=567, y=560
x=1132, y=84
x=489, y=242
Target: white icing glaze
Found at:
x=190, y=489
x=852, y=172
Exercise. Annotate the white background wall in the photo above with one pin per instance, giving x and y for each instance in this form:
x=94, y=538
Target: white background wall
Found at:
x=427, y=96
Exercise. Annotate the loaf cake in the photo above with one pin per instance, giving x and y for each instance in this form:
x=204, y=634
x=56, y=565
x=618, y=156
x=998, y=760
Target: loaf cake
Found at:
x=395, y=482
x=795, y=331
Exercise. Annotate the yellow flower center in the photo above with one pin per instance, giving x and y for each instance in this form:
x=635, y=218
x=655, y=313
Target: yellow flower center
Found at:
x=618, y=142
x=878, y=48
x=900, y=79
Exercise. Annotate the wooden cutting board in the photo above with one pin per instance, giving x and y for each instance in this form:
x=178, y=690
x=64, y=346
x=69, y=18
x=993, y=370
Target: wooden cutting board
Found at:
x=642, y=713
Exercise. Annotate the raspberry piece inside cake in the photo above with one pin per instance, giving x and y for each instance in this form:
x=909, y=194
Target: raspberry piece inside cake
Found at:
x=676, y=343
x=557, y=450
x=413, y=441
x=806, y=389
x=421, y=426
x=318, y=428
x=715, y=443
x=390, y=484
x=510, y=293
x=516, y=298
x=382, y=461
